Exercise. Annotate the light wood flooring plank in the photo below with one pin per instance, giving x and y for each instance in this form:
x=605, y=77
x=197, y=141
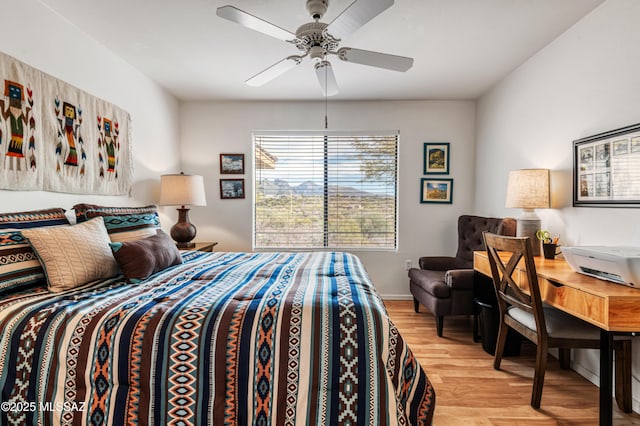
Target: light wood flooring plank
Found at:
x=470, y=392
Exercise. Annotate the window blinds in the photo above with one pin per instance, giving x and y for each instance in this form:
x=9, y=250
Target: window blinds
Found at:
x=335, y=191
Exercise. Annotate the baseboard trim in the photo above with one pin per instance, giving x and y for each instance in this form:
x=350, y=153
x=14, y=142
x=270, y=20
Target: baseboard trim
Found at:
x=595, y=379
x=396, y=297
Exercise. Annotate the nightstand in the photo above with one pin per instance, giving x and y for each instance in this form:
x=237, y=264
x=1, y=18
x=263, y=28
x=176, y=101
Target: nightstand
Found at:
x=203, y=246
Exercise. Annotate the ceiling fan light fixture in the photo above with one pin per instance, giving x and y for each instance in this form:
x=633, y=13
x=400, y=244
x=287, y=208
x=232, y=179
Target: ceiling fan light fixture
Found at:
x=317, y=53
x=318, y=40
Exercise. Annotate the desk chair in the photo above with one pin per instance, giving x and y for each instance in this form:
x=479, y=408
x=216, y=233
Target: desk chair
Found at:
x=543, y=325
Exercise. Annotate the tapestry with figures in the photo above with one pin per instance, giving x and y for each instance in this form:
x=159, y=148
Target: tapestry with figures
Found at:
x=56, y=137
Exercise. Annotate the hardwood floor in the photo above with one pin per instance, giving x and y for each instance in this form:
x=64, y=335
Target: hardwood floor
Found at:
x=470, y=392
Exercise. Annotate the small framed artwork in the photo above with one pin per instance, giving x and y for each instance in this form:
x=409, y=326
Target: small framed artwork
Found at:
x=231, y=164
x=438, y=191
x=231, y=188
x=436, y=158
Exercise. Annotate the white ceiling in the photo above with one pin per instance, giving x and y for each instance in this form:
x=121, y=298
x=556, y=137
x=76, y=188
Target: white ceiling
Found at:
x=461, y=47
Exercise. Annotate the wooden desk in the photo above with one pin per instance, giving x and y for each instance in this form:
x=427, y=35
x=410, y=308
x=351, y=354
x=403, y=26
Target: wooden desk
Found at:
x=614, y=308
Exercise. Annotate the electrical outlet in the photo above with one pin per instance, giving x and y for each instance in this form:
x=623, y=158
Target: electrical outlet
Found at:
x=407, y=264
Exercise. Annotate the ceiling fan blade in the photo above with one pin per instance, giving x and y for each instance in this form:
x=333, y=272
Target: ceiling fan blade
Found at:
x=326, y=78
x=253, y=22
x=274, y=71
x=356, y=15
x=375, y=59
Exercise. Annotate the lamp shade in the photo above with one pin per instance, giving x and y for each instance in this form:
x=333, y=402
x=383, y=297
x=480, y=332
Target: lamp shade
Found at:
x=182, y=190
x=528, y=189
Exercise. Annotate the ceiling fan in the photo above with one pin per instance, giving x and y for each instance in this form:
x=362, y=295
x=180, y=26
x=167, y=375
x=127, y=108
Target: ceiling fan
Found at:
x=318, y=40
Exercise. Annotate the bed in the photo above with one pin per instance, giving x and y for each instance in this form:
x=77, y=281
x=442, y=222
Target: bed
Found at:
x=220, y=338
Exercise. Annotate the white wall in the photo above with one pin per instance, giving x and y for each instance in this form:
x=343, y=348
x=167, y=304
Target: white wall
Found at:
x=585, y=82
x=211, y=128
x=54, y=46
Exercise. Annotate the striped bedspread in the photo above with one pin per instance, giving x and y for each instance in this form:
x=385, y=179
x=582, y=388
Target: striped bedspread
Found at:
x=223, y=339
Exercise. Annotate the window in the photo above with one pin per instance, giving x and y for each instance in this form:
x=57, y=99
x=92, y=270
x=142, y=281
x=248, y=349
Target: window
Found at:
x=325, y=190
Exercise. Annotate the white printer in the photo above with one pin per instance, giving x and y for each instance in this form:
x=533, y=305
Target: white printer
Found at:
x=620, y=265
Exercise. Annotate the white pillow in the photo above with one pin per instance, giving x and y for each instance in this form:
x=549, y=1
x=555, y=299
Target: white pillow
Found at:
x=73, y=256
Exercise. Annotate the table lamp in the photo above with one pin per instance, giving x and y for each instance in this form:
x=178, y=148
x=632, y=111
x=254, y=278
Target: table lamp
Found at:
x=182, y=190
x=528, y=189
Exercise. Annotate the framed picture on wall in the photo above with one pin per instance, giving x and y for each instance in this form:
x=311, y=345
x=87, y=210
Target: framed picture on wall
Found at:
x=439, y=191
x=605, y=169
x=232, y=164
x=231, y=188
x=436, y=158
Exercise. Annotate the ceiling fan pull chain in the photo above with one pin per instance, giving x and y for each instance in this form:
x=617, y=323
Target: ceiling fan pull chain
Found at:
x=326, y=114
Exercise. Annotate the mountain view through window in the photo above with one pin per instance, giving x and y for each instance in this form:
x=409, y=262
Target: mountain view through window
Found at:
x=325, y=191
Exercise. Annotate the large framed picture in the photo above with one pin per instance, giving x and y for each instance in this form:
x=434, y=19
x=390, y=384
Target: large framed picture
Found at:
x=231, y=188
x=232, y=164
x=605, y=169
x=436, y=158
x=439, y=191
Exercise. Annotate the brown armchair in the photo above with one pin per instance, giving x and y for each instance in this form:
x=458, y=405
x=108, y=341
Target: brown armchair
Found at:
x=445, y=285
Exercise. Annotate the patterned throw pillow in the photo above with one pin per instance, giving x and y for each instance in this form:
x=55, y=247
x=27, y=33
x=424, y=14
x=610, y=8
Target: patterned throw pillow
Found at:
x=139, y=259
x=19, y=266
x=75, y=255
x=122, y=223
x=129, y=227
x=82, y=209
x=33, y=219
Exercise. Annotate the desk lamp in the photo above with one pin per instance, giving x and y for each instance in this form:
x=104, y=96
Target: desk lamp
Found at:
x=528, y=189
x=182, y=190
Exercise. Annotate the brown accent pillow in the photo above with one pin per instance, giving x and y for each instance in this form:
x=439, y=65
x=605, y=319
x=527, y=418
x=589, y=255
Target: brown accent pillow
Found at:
x=140, y=258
